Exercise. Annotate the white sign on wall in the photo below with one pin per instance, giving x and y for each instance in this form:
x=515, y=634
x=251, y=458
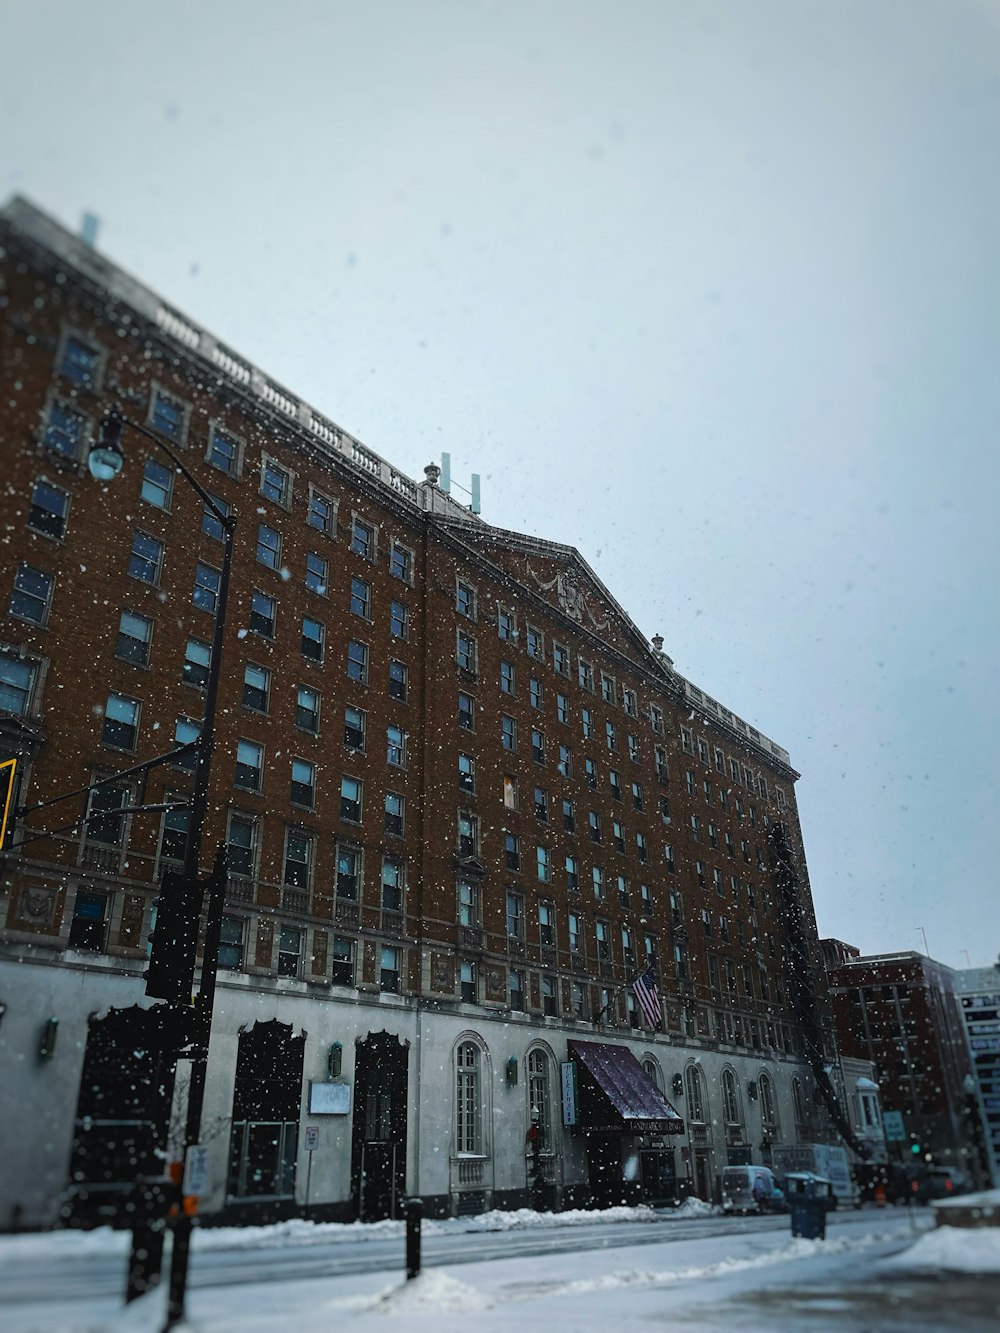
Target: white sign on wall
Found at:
x=329, y=1098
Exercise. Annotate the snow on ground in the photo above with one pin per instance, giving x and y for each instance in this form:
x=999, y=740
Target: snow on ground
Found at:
x=953, y=1250
x=708, y=1283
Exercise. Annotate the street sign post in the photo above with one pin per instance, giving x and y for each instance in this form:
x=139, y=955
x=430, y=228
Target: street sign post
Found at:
x=895, y=1130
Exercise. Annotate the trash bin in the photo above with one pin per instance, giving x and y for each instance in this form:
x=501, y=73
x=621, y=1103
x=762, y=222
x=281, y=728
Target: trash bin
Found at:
x=808, y=1218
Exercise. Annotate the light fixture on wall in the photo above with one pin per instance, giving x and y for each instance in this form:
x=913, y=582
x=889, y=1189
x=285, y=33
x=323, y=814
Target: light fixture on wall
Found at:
x=512, y=1072
x=47, y=1041
x=335, y=1060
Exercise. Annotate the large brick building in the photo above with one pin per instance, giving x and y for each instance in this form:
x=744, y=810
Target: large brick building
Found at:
x=465, y=801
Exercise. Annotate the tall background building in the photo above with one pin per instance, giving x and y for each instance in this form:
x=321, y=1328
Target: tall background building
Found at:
x=466, y=803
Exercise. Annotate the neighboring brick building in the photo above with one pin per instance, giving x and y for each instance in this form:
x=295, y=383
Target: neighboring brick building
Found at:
x=465, y=801
x=901, y=1012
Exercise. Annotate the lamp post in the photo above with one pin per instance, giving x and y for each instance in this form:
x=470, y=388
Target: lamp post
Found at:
x=105, y=462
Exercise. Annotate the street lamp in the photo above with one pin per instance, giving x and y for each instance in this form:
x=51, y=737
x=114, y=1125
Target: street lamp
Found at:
x=105, y=462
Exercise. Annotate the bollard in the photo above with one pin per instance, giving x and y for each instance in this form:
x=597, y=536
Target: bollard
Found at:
x=414, y=1209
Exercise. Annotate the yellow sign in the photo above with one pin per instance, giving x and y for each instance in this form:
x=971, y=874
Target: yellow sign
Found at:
x=8, y=767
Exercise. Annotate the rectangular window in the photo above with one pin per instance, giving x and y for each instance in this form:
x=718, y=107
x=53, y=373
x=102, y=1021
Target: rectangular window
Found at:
x=467, y=773
x=395, y=746
x=629, y=703
x=587, y=718
x=541, y=804
x=597, y=876
x=615, y=780
x=618, y=836
x=575, y=935
x=241, y=845
x=249, y=765
x=546, y=924
x=399, y=620
x=560, y=658
x=611, y=735
x=516, y=989
x=633, y=747
x=565, y=761
x=508, y=732
x=542, y=864
x=231, y=944
x=536, y=643
x=507, y=676
x=636, y=796
x=468, y=834
x=64, y=431
x=467, y=982
x=173, y=835
x=686, y=743
x=354, y=728
x=268, y=546
x=303, y=783
x=515, y=916
x=80, y=362
x=572, y=874
x=121, y=722
x=656, y=719
x=537, y=745
x=135, y=634
x=703, y=750
x=401, y=562
x=210, y=524
x=317, y=572
x=465, y=599
x=535, y=693
x=466, y=711
x=157, y=484
x=207, y=582
x=393, y=883
x=609, y=691
x=357, y=662
x=668, y=856
x=398, y=681
x=307, y=709
x=512, y=851
x=263, y=613
x=395, y=812
x=224, y=452
x=506, y=624
x=105, y=823
x=343, y=962
x=322, y=513
x=602, y=933
x=707, y=788
x=641, y=847
x=348, y=872
x=197, y=661
x=594, y=824
x=313, y=639
x=17, y=684
x=510, y=792
x=465, y=652
x=569, y=816
x=89, y=923
x=351, y=799
x=289, y=951
x=361, y=598
x=186, y=731
x=590, y=772
x=167, y=415
x=468, y=903
x=562, y=708
x=146, y=559
x=389, y=965
x=275, y=483
x=298, y=859
x=49, y=508
x=256, y=687
x=363, y=539
x=585, y=675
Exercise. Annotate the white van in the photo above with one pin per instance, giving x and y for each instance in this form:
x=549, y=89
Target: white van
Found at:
x=748, y=1189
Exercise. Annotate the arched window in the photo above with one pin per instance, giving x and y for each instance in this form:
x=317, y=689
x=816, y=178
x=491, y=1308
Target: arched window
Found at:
x=652, y=1071
x=468, y=1100
x=732, y=1108
x=695, y=1097
x=768, y=1111
x=539, y=1101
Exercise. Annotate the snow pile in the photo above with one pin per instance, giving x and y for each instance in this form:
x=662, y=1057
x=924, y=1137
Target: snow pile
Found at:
x=432, y=1290
x=953, y=1249
x=984, y=1199
x=693, y=1207
x=526, y=1218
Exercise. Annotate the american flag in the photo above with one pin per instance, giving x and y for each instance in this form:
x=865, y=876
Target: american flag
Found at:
x=648, y=997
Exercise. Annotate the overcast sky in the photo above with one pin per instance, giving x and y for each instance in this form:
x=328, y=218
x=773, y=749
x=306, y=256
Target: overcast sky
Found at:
x=710, y=291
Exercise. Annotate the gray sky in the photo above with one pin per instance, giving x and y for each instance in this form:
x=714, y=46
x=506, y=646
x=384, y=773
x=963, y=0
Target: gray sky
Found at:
x=710, y=291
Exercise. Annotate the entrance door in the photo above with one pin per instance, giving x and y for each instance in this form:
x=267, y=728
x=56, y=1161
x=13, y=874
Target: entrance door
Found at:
x=378, y=1138
x=702, y=1176
x=604, y=1162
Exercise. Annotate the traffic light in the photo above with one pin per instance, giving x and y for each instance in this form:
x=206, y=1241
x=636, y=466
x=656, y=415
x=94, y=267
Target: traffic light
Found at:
x=916, y=1149
x=170, y=975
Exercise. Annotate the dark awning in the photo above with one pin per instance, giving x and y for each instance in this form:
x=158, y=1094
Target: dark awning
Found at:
x=616, y=1093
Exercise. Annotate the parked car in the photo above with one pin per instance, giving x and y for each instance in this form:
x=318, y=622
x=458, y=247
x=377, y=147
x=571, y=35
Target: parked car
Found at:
x=748, y=1189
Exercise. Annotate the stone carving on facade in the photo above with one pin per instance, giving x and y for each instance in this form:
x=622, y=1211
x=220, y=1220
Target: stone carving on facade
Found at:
x=570, y=595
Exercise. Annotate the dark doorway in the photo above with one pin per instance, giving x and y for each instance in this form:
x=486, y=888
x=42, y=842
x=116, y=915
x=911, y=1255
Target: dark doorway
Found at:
x=604, y=1164
x=267, y=1099
x=659, y=1176
x=378, y=1139
x=702, y=1176
x=122, y=1112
